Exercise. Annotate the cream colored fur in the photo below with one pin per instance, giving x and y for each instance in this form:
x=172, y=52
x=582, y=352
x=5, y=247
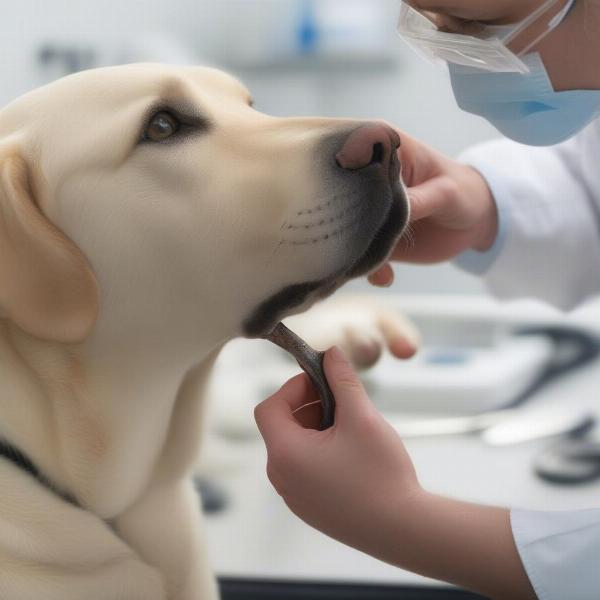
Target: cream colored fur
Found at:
x=124, y=267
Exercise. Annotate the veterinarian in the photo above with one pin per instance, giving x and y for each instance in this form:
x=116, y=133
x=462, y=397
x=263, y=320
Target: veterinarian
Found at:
x=526, y=217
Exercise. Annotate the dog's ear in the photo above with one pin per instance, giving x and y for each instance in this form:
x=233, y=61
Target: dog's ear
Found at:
x=47, y=286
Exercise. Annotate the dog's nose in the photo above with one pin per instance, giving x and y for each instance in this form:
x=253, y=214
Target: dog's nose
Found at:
x=368, y=145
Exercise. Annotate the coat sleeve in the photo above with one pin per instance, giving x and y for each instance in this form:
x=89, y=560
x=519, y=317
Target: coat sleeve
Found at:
x=560, y=552
x=549, y=207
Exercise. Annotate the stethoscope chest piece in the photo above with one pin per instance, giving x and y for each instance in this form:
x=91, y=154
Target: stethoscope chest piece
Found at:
x=570, y=462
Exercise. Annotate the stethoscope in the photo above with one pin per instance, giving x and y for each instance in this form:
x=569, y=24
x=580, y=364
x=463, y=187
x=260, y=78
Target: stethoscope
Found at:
x=570, y=462
x=574, y=459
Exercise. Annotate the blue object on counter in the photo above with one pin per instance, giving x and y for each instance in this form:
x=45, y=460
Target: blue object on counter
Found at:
x=448, y=357
x=308, y=30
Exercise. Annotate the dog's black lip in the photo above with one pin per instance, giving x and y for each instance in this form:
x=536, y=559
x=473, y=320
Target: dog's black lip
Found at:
x=270, y=312
x=385, y=239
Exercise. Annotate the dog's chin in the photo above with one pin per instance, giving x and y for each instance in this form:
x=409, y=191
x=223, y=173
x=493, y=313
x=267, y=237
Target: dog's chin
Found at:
x=301, y=296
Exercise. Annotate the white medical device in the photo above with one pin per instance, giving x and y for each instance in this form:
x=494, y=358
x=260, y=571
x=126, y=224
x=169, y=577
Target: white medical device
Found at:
x=485, y=371
x=471, y=362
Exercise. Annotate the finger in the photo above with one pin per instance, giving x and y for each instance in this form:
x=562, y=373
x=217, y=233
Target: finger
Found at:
x=384, y=277
x=420, y=163
x=401, y=336
x=275, y=416
x=351, y=399
x=431, y=198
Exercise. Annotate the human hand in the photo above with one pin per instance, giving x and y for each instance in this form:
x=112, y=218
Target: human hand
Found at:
x=353, y=481
x=452, y=209
x=356, y=483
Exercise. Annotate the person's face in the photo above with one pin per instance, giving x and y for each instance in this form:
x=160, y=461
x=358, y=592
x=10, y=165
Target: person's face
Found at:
x=492, y=11
x=466, y=16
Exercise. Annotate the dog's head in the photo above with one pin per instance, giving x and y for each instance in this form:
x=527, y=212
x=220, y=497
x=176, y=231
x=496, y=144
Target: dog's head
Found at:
x=157, y=197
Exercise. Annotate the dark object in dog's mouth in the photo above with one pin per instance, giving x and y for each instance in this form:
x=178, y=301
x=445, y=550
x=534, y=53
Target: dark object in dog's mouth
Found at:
x=311, y=362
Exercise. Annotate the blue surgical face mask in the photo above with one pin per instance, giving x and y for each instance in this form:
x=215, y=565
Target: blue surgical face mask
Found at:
x=525, y=107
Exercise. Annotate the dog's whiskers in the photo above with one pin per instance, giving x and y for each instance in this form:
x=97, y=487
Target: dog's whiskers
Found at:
x=409, y=238
x=275, y=250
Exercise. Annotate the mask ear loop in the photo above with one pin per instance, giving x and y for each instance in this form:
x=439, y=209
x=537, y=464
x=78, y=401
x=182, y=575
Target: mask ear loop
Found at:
x=533, y=17
x=556, y=21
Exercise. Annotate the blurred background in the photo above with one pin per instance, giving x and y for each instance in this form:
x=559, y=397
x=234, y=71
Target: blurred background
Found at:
x=343, y=58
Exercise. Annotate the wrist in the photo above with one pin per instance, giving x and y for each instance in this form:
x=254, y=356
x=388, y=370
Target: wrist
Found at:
x=394, y=526
x=406, y=515
x=486, y=231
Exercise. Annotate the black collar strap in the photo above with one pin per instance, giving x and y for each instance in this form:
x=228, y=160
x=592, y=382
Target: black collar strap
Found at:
x=22, y=461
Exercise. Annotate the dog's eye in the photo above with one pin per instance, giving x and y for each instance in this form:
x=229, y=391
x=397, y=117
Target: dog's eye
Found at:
x=161, y=126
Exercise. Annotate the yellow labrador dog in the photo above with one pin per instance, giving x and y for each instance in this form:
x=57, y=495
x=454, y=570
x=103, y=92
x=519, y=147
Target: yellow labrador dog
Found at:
x=147, y=215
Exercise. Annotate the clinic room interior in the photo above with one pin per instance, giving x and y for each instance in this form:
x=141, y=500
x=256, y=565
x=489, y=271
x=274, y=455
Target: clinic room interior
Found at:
x=493, y=392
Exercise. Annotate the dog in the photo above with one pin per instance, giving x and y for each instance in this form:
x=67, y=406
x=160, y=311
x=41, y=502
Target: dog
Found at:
x=149, y=214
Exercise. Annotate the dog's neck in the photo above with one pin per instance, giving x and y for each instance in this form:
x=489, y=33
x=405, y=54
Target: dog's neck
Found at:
x=98, y=419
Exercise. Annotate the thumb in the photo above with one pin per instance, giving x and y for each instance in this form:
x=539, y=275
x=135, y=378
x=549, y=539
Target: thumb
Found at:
x=350, y=395
x=275, y=416
x=430, y=198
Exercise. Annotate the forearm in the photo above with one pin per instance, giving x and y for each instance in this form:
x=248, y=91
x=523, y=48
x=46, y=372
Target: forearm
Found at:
x=465, y=544
x=468, y=545
x=357, y=484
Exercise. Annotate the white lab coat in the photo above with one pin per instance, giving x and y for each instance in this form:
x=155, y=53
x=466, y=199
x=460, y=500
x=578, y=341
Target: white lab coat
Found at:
x=549, y=248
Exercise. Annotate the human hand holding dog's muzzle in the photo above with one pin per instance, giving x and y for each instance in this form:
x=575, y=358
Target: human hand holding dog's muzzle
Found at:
x=452, y=210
